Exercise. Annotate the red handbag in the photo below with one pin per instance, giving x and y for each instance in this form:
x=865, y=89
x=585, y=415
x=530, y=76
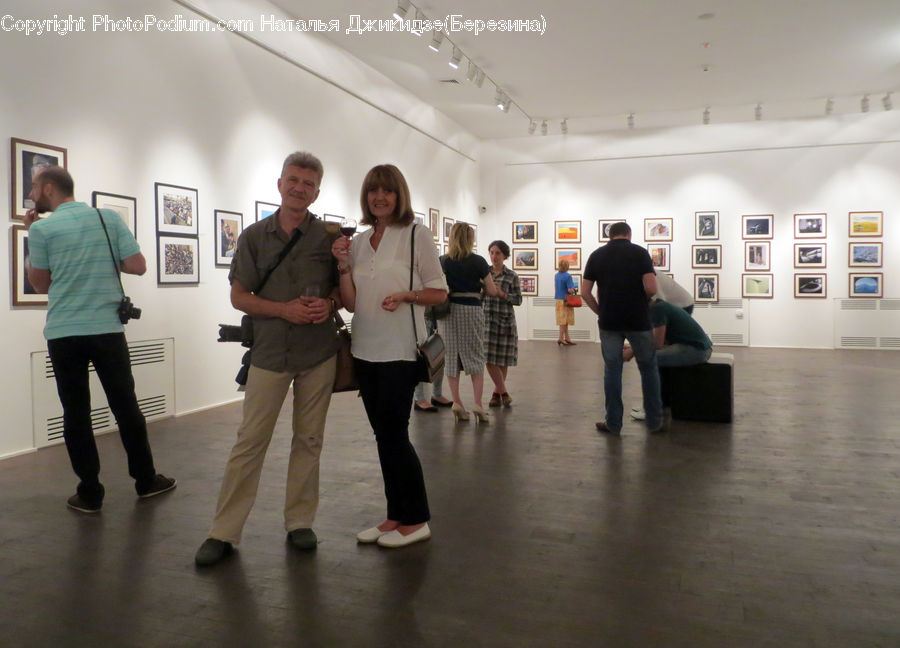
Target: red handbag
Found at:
x=573, y=300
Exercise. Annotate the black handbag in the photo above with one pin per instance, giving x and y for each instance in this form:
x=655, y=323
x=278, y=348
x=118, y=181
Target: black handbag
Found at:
x=429, y=354
x=345, y=373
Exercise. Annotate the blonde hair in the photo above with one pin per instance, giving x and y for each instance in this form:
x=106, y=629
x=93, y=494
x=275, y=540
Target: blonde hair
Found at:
x=563, y=265
x=462, y=240
x=388, y=178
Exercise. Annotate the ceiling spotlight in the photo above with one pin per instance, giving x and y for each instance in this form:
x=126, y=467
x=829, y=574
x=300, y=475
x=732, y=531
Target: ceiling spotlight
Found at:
x=757, y=112
x=887, y=102
x=456, y=58
x=829, y=106
x=471, y=71
x=706, y=115
x=498, y=98
x=544, y=127
x=630, y=120
x=436, y=40
x=401, y=10
x=564, y=126
x=864, y=104
x=479, y=78
x=532, y=125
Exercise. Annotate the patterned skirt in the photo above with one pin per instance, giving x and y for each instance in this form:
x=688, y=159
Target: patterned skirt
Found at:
x=502, y=346
x=565, y=315
x=463, y=333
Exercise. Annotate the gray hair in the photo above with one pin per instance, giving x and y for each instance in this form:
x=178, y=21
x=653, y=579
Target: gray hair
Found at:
x=304, y=160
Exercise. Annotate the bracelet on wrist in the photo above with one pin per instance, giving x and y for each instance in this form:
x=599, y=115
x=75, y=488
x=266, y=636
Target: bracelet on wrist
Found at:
x=344, y=269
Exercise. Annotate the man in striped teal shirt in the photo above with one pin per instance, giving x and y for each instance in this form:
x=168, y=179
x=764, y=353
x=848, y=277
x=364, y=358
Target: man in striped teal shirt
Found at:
x=72, y=261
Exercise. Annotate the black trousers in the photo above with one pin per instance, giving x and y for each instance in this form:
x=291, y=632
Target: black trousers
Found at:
x=109, y=354
x=387, y=393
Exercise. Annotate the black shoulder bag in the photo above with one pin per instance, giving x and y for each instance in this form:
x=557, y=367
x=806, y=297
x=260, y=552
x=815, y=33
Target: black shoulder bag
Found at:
x=429, y=354
x=126, y=310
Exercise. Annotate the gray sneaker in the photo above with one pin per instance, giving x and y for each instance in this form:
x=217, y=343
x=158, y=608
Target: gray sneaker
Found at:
x=212, y=551
x=304, y=539
x=638, y=414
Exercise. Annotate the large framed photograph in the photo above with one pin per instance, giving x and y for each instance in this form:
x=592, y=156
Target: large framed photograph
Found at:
x=757, y=285
x=657, y=229
x=866, y=284
x=124, y=206
x=265, y=209
x=176, y=210
x=603, y=228
x=706, y=256
x=809, y=225
x=29, y=159
x=228, y=226
x=434, y=223
x=524, y=232
x=865, y=255
x=809, y=255
x=759, y=226
x=706, y=225
x=177, y=260
x=448, y=225
x=659, y=255
x=572, y=255
x=567, y=232
x=706, y=287
x=866, y=223
x=23, y=293
x=529, y=285
x=809, y=285
x=756, y=255
x=525, y=258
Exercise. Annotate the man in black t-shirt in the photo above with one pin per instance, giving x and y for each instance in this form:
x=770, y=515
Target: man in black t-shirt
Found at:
x=625, y=280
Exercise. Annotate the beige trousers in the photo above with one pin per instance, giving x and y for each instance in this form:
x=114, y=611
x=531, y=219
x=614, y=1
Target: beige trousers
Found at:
x=265, y=394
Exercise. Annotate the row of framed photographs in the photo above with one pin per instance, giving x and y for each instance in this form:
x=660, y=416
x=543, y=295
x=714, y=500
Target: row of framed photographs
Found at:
x=757, y=255
x=761, y=285
x=526, y=259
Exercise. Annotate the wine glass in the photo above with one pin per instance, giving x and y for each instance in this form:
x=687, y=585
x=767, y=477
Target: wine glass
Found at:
x=348, y=227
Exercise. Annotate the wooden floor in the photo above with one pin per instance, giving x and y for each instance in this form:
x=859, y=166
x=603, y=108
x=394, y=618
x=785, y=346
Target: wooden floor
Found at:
x=779, y=530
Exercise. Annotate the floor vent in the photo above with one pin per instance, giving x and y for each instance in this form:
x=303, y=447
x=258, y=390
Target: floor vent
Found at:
x=728, y=339
x=890, y=304
x=889, y=343
x=859, y=304
x=848, y=342
x=543, y=302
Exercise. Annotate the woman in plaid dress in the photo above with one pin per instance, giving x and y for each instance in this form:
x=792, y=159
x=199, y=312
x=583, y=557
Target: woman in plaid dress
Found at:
x=501, y=335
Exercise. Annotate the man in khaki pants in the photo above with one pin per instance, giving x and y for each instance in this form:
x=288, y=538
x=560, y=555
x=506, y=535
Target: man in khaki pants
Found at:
x=295, y=342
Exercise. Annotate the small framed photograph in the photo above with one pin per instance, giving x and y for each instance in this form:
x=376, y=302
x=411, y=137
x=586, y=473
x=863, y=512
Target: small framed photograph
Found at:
x=474, y=236
x=657, y=229
x=567, y=232
x=659, y=254
x=176, y=210
x=124, y=206
x=572, y=255
x=419, y=218
x=865, y=255
x=448, y=225
x=332, y=218
x=706, y=256
x=756, y=255
x=177, y=260
x=603, y=229
x=866, y=223
x=228, y=226
x=525, y=258
x=265, y=209
x=529, y=285
x=434, y=223
x=524, y=232
x=809, y=255
x=809, y=285
x=757, y=285
x=577, y=279
x=23, y=293
x=706, y=287
x=809, y=225
x=866, y=284
x=706, y=225
x=759, y=226
x=29, y=159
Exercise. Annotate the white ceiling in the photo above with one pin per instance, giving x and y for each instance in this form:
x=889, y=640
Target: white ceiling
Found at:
x=600, y=60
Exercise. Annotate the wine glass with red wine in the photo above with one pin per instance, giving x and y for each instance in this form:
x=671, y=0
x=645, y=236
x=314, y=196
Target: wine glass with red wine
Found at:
x=348, y=227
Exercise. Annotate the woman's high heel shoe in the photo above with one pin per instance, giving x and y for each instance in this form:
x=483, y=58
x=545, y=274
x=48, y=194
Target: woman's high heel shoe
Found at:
x=459, y=413
x=560, y=343
x=480, y=415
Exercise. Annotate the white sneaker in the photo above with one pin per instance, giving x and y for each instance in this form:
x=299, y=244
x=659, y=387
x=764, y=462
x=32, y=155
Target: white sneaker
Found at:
x=637, y=413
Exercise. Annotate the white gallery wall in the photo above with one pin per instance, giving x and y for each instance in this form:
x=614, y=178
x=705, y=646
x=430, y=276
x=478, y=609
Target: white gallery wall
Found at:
x=217, y=113
x=831, y=165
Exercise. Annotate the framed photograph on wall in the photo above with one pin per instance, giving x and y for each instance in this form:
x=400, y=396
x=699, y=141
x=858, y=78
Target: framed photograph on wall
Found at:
x=266, y=209
x=706, y=287
x=448, y=225
x=659, y=254
x=757, y=285
x=572, y=255
x=603, y=229
x=124, y=206
x=657, y=229
x=577, y=279
x=756, y=255
x=23, y=293
x=866, y=284
x=809, y=225
x=809, y=255
x=809, y=285
x=525, y=258
x=177, y=260
x=524, y=232
x=758, y=226
x=419, y=218
x=706, y=225
x=865, y=255
x=474, y=236
x=176, y=209
x=29, y=159
x=567, y=232
x=434, y=223
x=866, y=223
x=529, y=285
x=706, y=256
x=227, y=226
x=332, y=218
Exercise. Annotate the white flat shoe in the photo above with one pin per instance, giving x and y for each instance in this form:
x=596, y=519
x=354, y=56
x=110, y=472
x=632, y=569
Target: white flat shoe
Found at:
x=370, y=535
x=395, y=539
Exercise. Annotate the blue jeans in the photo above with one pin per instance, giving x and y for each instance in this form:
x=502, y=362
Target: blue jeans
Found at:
x=681, y=355
x=612, y=343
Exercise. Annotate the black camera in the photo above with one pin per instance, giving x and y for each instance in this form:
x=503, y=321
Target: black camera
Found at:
x=127, y=310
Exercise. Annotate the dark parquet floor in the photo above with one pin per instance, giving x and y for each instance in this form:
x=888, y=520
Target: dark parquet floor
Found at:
x=780, y=529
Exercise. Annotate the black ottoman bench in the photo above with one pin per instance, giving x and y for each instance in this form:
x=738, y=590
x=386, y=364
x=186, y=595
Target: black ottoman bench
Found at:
x=702, y=392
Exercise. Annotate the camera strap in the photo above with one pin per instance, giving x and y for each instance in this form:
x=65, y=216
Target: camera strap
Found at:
x=281, y=255
x=111, y=253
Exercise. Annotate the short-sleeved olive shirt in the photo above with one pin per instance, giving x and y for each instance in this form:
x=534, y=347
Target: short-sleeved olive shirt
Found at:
x=279, y=345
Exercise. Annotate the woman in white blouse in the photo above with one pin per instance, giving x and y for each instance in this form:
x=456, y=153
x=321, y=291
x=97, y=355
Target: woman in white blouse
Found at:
x=375, y=287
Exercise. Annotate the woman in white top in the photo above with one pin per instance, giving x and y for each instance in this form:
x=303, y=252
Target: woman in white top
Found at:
x=374, y=286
